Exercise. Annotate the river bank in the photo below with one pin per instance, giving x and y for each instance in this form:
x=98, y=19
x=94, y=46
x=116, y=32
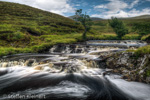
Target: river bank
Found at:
x=131, y=67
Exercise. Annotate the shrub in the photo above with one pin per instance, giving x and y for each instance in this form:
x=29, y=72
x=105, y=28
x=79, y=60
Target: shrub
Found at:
x=12, y=36
x=118, y=27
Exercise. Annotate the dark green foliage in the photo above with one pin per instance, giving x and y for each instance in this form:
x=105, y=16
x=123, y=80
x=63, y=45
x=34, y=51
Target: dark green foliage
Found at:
x=12, y=36
x=118, y=27
x=142, y=28
x=85, y=20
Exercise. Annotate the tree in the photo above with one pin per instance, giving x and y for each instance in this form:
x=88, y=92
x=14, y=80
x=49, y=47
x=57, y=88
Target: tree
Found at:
x=118, y=27
x=85, y=21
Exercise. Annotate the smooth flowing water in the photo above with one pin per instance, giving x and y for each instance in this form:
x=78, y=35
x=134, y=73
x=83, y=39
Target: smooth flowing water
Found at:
x=68, y=72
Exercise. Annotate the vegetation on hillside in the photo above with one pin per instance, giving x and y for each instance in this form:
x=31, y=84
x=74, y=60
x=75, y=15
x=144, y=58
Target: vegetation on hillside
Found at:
x=142, y=28
x=21, y=29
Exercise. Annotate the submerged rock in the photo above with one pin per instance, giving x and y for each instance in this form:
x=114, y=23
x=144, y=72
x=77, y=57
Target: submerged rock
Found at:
x=30, y=62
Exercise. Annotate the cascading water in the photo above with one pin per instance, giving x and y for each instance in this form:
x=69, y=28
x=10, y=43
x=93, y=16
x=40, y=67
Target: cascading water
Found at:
x=68, y=72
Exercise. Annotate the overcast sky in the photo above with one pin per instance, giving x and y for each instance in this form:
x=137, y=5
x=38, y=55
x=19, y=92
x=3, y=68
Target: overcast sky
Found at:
x=95, y=8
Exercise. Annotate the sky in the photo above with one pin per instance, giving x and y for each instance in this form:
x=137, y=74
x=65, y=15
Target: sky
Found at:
x=95, y=8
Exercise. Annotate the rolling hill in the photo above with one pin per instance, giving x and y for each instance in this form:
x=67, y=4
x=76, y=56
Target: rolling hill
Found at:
x=34, y=21
x=25, y=29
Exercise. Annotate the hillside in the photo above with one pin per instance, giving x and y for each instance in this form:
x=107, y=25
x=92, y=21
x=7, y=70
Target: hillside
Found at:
x=25, y=27
x=22, y=17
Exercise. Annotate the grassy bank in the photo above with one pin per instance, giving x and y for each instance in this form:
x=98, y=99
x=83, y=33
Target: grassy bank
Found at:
x=40, y=44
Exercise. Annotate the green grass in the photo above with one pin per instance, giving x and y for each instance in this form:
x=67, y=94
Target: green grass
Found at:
x=107, y=36
x=10, y=50
x=16, y=17
x=131, y=37
x=41, y=44
x=143, y=50
x=146, y=37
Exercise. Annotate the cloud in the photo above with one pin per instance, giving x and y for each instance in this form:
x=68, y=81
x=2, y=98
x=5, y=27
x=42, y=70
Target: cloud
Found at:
x=117, y=5
x=109, y=15
x=134, y=3
x=113, y=6
x=119, y=8
x=56, y=6
x=131, y=13
x=100, y=6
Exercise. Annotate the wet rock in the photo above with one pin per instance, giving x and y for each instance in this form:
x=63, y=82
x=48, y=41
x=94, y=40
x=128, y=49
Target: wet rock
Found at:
x=5, y=64
x=38, y=67
x=148, y=80
x=51, y=64
x=30, y=62
x=126, y=76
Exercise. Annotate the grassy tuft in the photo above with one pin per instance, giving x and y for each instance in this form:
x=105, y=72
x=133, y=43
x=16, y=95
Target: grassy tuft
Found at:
x=131, y=37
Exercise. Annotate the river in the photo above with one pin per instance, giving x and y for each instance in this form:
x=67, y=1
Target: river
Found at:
x=69, y=72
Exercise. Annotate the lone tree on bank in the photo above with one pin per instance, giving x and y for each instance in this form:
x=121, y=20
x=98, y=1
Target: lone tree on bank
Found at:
x=118, y=27
x=85, y=21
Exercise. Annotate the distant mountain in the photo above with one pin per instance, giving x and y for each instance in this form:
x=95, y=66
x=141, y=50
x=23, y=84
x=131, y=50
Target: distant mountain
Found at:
x=92, y=18
x=96, y=18
x=137, y=17
x=141, y=17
